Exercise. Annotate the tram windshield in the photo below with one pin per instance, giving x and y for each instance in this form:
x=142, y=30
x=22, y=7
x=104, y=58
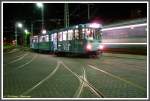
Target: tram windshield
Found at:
x=91, y=33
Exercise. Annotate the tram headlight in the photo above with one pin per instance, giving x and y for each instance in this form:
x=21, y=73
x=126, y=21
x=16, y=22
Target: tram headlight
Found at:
x=88, y=47
x=101, y=47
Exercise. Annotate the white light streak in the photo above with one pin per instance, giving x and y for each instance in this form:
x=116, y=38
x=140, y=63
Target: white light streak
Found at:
x=124, y=43
x=122, y=27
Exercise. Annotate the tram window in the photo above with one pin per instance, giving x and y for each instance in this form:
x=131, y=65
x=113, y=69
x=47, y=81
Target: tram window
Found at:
x=33, y=40
x=83, y=33
x=83, y=30
x=80, y=33
x=64, y=35
x=60, y=36
x=89, y=34
x=55, y=36
x=43, y=39
x=70, y=34
x=40, y=39
x=36, y=40
x=52, y=37
x=47, y=38
x=76, y=34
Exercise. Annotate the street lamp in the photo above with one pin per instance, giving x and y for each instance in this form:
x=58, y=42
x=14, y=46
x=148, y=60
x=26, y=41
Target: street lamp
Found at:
x=40, y=5
x=19, y=25
x=43, y=31
x=26, y=31
x=26, y=34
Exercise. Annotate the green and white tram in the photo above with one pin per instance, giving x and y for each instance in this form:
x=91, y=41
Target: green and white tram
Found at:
x=79, y=39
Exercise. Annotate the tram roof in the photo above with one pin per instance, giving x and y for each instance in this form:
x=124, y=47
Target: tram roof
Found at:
x=71, y=27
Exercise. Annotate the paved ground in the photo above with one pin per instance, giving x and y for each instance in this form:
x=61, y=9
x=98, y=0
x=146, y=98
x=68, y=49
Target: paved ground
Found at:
x=29, y=74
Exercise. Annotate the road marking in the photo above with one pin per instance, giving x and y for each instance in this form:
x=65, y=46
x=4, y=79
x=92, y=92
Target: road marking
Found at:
x=21, y=66
x=20, y=58
x=27, y=62
x=42, y=81
x=81, y=86
x=12, y=51
x=92, y=88
x=79, y=90
x=117, y=77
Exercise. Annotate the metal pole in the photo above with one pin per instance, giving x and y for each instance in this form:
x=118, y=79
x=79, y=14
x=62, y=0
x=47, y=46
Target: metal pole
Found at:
x=42, y=17
x=31, y=29
x=66, y=15
x=16, y=34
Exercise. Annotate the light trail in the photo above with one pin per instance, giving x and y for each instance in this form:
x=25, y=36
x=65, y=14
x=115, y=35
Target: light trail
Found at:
x=124, y=43
x=126, y=26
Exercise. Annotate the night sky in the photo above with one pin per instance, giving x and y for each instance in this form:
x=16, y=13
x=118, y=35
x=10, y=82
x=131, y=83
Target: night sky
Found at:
x=54, y=14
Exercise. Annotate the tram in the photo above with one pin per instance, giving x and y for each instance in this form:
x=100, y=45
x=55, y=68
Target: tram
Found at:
x=78, y=39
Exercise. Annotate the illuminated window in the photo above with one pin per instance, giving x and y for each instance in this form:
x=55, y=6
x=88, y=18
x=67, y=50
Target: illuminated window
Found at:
x=55, y=36
x=60, y=36
x=47, y=38
x=33, y=40
x=76, y=34
x=52, y=37
x=43, y=39
x=40, y=38
x=64, y=35
x=70, y=34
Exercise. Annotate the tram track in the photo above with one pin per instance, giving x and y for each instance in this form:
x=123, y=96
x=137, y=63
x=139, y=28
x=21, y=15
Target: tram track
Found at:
x=21, y=66
x=118, y=57
x=117, y=77
x=80, y=88
x=18, y=58
x=122, y=57
x=81, y=73
x=89, y=85
x=136, y=67
x=42, y=81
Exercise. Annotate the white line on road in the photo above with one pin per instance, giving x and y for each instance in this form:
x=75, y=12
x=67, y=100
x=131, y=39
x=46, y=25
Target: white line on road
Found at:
x=117, y=77
x=20, y=58
x=27, y=62
x=43, y=80
x=12, y=51
x=21, y=66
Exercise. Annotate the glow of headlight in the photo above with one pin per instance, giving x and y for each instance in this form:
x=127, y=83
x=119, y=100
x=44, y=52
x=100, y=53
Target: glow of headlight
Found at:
x=88, y=32
x=94, y=25
x=89, y=47
x=101, y=47
x=121, y=27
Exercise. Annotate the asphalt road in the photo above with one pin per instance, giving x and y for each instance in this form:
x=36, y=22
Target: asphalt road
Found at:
x=28, y=74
